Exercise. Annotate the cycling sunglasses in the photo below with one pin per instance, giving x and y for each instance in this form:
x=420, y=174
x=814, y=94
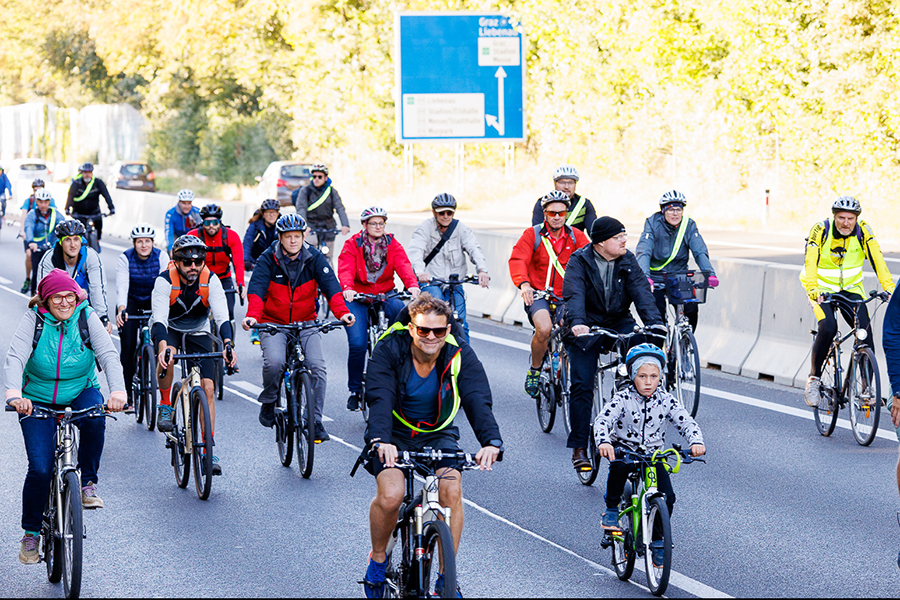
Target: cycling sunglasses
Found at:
x=556, y=213
x=190, y=262
x=438, y=332
x=210, y=222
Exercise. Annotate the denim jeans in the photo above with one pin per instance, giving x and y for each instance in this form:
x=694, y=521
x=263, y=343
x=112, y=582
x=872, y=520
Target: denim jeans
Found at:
x=40, y=446
x=459, y=298
x=357, y=336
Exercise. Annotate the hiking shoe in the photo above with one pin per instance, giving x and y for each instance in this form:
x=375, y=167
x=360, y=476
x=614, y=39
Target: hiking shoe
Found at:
x=216, y=468
x=28, y=551
x=164, y=418
x=320, y=434
x=89, y=497
x=374, y=579
x=26, y=287
x=354, y=402
x=610, y=519
x=657, y=553
x=439, y=587
x=533, y=383
x=267, y=414
x=813, y=394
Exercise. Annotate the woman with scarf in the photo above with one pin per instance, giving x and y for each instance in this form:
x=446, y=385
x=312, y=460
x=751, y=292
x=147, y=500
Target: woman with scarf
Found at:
x=58, y=371
x=367, y=265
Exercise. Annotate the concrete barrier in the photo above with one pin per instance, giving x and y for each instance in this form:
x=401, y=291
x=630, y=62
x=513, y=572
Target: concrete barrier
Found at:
x=726, y=336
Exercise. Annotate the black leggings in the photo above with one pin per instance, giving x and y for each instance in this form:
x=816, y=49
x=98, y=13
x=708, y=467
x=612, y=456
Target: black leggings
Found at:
x=615, y=485
x=828, y=329
x=691, y=311
x=128, y=336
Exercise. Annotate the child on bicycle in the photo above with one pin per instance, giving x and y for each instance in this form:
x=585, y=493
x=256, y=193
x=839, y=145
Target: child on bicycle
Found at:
x=636, y=417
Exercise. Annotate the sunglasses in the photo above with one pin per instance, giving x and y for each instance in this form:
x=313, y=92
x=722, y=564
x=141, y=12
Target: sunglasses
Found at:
x=318, y=177
x=556, y=213
x=190, y=262
x=68, y=299
x=445, y=213
x=438, y=332
x=210, y=222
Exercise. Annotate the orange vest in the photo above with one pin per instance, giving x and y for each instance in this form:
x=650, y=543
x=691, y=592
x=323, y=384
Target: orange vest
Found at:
x=176, y=284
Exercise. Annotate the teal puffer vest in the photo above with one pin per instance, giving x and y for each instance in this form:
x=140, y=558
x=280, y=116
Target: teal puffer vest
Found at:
x=61, y=367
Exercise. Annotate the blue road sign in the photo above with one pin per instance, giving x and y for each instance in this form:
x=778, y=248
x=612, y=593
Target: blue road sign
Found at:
x=460, y=78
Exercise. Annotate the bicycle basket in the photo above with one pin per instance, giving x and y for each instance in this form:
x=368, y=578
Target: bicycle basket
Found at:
x=686, y=287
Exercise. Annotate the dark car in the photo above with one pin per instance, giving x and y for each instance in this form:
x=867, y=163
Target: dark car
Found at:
x=133, y=175
x=280, y=179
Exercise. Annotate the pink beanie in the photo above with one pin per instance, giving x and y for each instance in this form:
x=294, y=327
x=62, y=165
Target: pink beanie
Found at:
x=58, y=281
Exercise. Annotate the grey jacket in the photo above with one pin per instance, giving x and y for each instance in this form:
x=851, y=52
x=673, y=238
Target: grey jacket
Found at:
x=657, y=241
x=633, y=420
x=452, y=257
x=95, y=275
x=323, y=215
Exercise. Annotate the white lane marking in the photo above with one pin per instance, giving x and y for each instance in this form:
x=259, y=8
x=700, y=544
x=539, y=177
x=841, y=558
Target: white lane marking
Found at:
x=246, y=385
x=775, y=248
x=113, y=246
x=683, y=582
x=325, y=419
x=16, y=292
x=5, y=281
x=501, y=341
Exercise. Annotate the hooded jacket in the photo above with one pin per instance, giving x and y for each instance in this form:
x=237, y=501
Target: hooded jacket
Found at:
x=658, y=240
x=632, y=420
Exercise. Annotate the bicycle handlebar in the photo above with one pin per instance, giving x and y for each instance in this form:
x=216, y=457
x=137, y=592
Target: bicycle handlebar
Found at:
x=835, y=299
x=324, y=327
x=466, y=279
x=595, y=330
x=97, y=411
x=423, y=461
x=547, y=295
x=402, y=295
x=318, y=231
x=658, y=456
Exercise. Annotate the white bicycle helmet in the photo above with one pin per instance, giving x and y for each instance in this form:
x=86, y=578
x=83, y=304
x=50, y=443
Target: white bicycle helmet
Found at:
x=565, y=172
x=672, y=197
x=555, y=196
x=43, y=194
x=143, y=230
x=185, y=195
x=372, y=211
x=320, y=168
x=846, y=204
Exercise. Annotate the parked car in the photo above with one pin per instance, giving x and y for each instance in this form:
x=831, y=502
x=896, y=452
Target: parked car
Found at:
x=280, y=179
x=132, y=175
x=23, y=171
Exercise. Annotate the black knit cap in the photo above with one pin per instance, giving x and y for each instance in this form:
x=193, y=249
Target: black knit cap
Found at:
x=604, y=228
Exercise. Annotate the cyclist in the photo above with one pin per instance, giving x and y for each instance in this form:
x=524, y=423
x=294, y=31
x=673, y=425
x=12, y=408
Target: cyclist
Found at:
x=602, y=282
x=538, y=262
x=181, y=218
x=582, y=212
x=317, y=202
x=81, y=262
x=50, y=364
x=836, y=251
x=5, y=190
x=438, y=249
x=368, y=263
x=184, y=298
x=283, y=289
x=83, y=201
x=636, y=418
x=29, y=205
x=136, y=273
x=38, y=233
x=891, y=343
x=418, y=377
x=668, y=236
x=261, y=233
x=221, y=240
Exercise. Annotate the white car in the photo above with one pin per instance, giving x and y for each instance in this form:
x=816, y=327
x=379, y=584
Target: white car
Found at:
x=23, y=171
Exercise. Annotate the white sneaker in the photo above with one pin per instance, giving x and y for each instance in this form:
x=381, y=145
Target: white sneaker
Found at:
x=89, y=497
x=813, y=394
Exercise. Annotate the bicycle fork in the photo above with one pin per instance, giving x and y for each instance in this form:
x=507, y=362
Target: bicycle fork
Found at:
x=424, y=512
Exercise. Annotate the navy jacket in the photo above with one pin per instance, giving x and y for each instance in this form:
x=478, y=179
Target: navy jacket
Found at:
x=891, y=333
x=256, y=240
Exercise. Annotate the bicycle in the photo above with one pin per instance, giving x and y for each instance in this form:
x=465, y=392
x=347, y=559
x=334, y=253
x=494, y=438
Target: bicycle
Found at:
x=220, y=369
x=321, y=245
x=412, y=572
x=190, y=415
x=62, y=526
x=554, y=386
x=683, y=358
x=90, y=232
x=644, y=515
x=378, y=324
x=294, y=409
x=861, y=390
x=36, y=257
x=447, y=287
x=144, y=386
x=610, y=376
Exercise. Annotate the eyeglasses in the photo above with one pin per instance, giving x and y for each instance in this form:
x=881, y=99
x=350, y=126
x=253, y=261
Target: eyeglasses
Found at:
x=210, y=222
x=620, y=238
x=675, y=208
x=438, y=332
x=556, y=213
x=375, y=224
x=318, y=177
x=445, y=213
x=189, y=262
x=67, y=298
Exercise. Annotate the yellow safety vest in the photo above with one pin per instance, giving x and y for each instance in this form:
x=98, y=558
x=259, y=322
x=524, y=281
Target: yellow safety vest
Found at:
x=51, y=224
x=835, y=273
x=574, y=214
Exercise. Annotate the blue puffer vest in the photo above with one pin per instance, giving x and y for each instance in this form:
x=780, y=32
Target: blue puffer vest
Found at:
x=142, y=273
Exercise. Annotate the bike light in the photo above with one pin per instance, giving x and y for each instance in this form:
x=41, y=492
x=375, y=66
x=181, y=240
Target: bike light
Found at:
x=281, y=183
x=862, y=334
x=324, y=249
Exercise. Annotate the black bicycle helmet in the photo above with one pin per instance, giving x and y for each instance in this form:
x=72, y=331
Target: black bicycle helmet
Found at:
x=290, y=222
x=188, y=246
x=69, y=228
x=270, y=205
x=211, y=211
x=444, y=200
x=86, y=168
x=37, y=183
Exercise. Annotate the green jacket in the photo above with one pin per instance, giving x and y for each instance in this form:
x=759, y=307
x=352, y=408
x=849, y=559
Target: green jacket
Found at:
x=61, y=367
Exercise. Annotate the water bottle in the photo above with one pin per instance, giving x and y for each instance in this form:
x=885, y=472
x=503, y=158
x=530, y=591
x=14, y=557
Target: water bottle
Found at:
x=554, y=360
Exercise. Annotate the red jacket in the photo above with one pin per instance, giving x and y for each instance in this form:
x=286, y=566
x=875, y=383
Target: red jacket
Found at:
x=528, y=264
x=217, y=256
x=352, y=267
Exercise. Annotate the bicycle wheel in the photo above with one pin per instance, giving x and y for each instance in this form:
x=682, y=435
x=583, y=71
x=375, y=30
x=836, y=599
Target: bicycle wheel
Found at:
x=284, y=425
x=72, y=539
x=661, y=528
x=202, y=454
x=827, y=419
x=363, y=407
x=589, y=477
x=92, y=240
x=150, y=385
x=687, y=372
x=864, y=396
x=623, y=544
x=180, y=462
x=306, y=444
x=50, y=540
x=137, y=390
x=395, y=572
x=438, y=544
x=563, y=397
x=546, y=400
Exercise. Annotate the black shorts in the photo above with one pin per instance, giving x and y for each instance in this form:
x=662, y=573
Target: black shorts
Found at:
x=194, y=344
x=538, y=304
x=441, y=440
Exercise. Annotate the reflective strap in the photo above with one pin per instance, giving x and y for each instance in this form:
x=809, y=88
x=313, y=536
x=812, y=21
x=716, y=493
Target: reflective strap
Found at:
x=554, y=262
x=50, y=226
x=455, y=365
x=87, y=191
x=573, y=216
x=321, y=199
x=679, y=238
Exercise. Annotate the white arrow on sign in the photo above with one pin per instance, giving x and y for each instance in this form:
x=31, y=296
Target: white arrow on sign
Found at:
x=492, y=121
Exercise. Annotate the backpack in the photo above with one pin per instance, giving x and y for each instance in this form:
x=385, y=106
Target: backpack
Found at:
x=176, y=284
x=826, y=224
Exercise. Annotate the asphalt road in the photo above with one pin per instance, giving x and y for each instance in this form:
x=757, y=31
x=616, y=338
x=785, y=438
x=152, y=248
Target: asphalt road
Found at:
x=777, y=511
